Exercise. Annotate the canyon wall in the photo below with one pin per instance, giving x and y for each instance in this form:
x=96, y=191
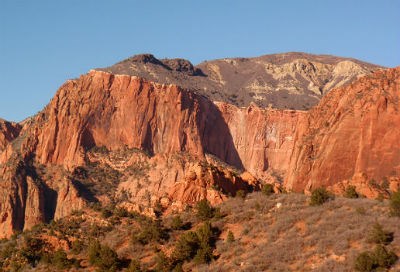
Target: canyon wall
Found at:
x=352, y=131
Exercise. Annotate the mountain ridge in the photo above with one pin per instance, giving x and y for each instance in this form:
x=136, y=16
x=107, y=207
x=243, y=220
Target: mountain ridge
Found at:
x=267, y=80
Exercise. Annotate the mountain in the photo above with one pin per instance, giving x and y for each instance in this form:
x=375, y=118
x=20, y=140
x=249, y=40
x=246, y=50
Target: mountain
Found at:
x=284, y=81
x=157, y=136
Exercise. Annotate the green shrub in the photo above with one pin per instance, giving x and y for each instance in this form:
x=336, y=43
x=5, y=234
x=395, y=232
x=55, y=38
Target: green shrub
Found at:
x=60, y=260
x=383, y=257
x=106, y=213
x=380, y=258
x=32, y=250
x=121, y=212
x=379, y=236
x=320, y=196
x=203, y=255
x=134, y=266
x=204, y=210
x=177, y=223
x=395, y=204
x=351, y=192
x=77, y=246
x=364, y=262
x=241, y=194
x=267, y=189
x=186, y=247
x=197, y=245
x=150, y=231
x=230, y=238
x=163, y=263
x=103, y=256
x=206, y=240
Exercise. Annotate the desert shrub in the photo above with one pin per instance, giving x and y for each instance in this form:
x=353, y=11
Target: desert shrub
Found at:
x=380, y=258
x=395, y=204
x=121, y=212
x=351, y=192
x=379, y=236
x=60, y=260
x=106, y=213
x=103, y=256
x=204, y=210
x=77, y=246
x=364, y=262
x=150, y=231
x=7, y=251
x=186, y=247
x=361, y=210
x=241, y=194
x=134, y=266
x=196, y=245
x=97, y=230
x=320, y=196
x=163, y=263
x=204, y=254
x=267, y=189
x=206, y=239
x=230, y=238
x=77, y=212
x=383, y=257
x=380, y=197
x=177, y=223
x=32, y=250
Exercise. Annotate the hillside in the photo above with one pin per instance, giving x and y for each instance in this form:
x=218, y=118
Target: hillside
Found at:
x=250, y=233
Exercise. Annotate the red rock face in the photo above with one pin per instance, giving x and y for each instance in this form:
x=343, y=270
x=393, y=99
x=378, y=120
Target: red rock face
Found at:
x=21, y=200
x=263, y=138
x=352, y=131
x=8, y=132
x=116, y=111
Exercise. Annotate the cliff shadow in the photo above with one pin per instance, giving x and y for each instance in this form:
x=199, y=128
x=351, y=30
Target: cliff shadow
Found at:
x=49, y=195
x=50, y=202
x=215, y=134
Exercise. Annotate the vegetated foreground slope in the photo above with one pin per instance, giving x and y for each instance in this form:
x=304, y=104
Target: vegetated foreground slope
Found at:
x=253, y=233
x=146, y=146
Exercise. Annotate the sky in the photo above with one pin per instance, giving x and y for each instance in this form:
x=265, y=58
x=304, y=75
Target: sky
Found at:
x=44, y=43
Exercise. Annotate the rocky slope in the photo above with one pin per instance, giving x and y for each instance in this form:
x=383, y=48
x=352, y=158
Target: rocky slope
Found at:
x=149, y=136
x=284, y=81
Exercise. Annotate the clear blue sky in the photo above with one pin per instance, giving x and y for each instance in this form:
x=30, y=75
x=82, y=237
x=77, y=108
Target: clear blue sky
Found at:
x=44, y=43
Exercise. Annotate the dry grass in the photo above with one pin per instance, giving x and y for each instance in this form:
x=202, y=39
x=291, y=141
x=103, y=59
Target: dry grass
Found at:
x=298, y=237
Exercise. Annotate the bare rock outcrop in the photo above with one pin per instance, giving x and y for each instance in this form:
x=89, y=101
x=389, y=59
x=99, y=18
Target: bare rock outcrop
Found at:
x=8, y=132
x=263, y=138
x=351, y=131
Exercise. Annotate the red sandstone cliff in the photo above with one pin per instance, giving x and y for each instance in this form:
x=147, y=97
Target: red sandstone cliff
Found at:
x=115, y=112
x=8, y=132
x=263, y=138
x=352, y=131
